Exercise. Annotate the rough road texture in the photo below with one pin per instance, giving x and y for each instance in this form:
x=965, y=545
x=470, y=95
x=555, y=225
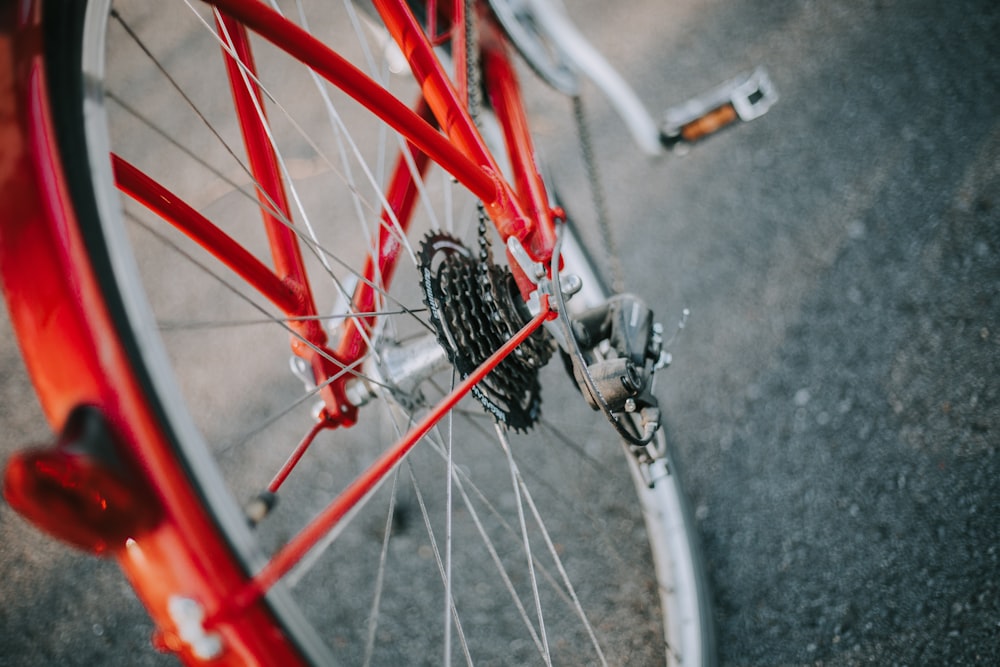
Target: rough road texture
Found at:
x=834, y=398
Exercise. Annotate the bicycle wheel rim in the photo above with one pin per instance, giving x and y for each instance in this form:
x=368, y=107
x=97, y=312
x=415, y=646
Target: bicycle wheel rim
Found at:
x=147, y=345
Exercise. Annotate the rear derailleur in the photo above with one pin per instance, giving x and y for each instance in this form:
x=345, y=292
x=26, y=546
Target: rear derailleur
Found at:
x=616, y=348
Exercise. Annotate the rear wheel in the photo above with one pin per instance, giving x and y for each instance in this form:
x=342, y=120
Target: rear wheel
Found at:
x=488, y=543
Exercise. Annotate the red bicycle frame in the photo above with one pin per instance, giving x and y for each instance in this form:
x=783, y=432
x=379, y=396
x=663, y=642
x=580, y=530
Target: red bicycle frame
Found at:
x=74, y=351
x=523, y=213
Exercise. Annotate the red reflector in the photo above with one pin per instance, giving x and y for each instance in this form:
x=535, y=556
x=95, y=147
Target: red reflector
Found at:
x=77, y=490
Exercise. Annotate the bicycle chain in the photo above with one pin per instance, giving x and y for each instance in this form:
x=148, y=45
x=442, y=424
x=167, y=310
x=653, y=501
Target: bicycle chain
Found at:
x=612, y=255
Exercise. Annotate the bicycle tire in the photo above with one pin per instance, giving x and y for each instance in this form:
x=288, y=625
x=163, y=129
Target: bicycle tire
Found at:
x=83, y=140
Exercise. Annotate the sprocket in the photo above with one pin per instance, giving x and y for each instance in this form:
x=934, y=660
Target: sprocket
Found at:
x=474, y=312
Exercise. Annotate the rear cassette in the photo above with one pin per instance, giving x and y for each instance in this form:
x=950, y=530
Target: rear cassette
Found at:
x=474, y=312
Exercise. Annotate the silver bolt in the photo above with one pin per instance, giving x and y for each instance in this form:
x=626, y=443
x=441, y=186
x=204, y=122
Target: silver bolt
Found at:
x=189, y=617
x=570, y=284
x=358, y=393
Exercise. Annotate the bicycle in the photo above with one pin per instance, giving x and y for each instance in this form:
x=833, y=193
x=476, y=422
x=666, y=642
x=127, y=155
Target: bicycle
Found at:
x=140, y=199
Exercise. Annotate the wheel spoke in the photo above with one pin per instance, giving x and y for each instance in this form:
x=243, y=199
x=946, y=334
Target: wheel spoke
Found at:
x=457, y=478
x=172, y=325
x=373, y=614
x=449, y=517
x=502, y=437
x=452, y=611
x=555, y=557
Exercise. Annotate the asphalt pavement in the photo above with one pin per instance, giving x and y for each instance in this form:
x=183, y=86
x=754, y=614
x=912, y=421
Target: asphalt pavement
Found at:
x=834, y=396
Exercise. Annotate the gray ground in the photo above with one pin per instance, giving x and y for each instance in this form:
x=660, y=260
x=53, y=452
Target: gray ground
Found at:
x=834, y=396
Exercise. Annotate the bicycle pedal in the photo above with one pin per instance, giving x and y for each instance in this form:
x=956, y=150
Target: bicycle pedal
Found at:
x=743, y=98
